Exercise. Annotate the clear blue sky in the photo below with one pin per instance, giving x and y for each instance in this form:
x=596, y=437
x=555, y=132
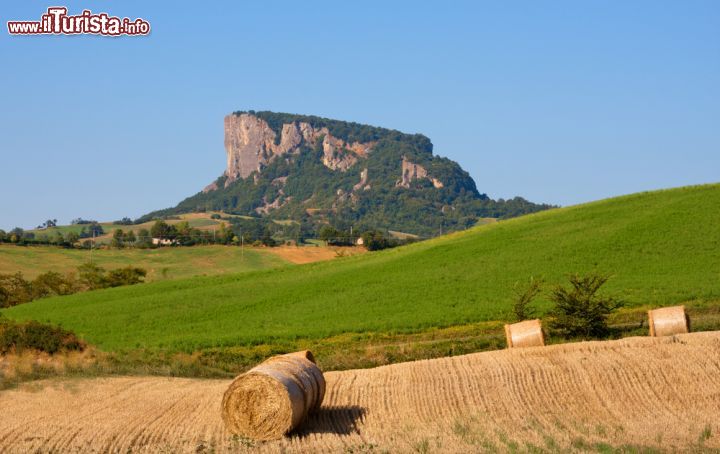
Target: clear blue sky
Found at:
x=556, y=101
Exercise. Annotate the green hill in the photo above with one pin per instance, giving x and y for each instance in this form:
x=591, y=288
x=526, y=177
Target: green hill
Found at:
x=660, y=247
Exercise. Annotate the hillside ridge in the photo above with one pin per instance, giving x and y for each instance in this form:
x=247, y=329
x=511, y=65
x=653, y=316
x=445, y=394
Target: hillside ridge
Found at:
x=642, y=241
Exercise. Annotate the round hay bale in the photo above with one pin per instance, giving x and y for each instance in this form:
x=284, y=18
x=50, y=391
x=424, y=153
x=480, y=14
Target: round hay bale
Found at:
x=307, y=354
x=668, y=321
x=528, y=333
x=274, y=397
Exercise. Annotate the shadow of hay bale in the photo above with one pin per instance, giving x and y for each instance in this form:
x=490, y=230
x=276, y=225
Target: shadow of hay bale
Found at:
x=342, y=420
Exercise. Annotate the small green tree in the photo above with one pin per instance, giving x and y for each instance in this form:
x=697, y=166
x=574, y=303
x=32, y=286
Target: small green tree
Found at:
x=374, y=240
x=95, y=229
x=267, y=238
x=183, y=228
x=72, y=238
x=328, y=233
x=580, y=311
x=143, y=239
x=129, y=238
x=162, y=229
x=223, y=234
x=524, y=296
x=57, y=238
x=118, y=239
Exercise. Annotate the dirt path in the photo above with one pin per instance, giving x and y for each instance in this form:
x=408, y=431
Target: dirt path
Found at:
x=661, y=393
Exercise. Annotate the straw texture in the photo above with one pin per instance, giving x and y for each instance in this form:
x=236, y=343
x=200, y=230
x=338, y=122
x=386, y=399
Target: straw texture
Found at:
x=274, y=397
x=528, y=333
x=668, y=321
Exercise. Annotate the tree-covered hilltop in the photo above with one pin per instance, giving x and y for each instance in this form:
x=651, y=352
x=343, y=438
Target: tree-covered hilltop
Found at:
x=346, y=130
x=435, y=196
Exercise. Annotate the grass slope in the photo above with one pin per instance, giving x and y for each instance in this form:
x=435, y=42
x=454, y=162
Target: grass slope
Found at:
x=661, y=247
x=161, y=263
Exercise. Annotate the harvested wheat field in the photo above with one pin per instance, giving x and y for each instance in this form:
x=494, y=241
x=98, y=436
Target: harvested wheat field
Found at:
x=309, y=254
x=661, y=393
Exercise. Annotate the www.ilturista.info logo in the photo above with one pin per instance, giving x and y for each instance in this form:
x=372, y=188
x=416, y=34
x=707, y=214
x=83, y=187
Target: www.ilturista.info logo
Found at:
x=57, y=22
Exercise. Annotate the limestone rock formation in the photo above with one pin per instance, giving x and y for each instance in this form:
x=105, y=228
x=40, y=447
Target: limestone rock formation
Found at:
x=317, y=171
x=412, y=171
x=363, y=182
x=250, y=144
x=211, y=187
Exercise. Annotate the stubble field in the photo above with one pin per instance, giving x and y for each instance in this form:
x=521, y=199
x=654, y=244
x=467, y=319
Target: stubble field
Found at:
x=635, y=394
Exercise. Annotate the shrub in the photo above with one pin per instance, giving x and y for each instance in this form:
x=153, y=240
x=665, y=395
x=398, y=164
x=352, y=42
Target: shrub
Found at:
x=14, y=290
x=53, y=283
x=36, y=336
x=375, y=241
x=524, y=296
x=125, y=276
x=92, y=276
x=580, y=311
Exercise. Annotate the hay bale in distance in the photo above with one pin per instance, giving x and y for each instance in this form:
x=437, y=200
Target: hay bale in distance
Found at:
x=528, y=333
x=274, y=397
x=668, y=321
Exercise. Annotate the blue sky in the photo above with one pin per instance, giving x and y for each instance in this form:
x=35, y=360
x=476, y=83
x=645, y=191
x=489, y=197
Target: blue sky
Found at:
x=556, y=101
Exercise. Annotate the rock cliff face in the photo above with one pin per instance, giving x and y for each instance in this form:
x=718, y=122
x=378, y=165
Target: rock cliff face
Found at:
x=250, y=144
x=411, y=172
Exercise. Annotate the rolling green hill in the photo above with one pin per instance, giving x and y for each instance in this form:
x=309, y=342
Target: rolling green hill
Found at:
x=660, y=247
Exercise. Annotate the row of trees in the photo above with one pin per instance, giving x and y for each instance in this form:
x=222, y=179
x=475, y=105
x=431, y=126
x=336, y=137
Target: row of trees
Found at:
x=256, y=231
x=16, y=235
x=181, y=234
x=15, y=289
x=373, y=240
x=47, y=224
x=56, y=237
x=251, y=231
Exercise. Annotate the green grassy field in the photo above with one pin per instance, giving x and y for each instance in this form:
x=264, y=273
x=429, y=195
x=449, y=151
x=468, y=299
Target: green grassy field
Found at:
x=661, y=248
x=161, y=263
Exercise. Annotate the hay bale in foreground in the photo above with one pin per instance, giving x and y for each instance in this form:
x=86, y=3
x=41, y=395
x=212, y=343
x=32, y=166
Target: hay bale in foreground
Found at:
x=274, y=397
x=525, y=334
x=667, y=321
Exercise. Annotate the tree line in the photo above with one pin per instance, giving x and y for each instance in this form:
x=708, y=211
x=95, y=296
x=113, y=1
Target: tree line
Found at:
x=236, y=231
x=56, y=237
x=16, y=289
